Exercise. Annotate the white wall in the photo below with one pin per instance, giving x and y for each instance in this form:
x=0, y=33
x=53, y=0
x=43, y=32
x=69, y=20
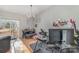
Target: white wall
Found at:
x=57, y=12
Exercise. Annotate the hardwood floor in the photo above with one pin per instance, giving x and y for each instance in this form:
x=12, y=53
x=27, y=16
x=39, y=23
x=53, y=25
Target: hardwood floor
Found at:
x=27, y=42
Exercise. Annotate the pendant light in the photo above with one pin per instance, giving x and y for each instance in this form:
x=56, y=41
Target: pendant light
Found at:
x=32, y=16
